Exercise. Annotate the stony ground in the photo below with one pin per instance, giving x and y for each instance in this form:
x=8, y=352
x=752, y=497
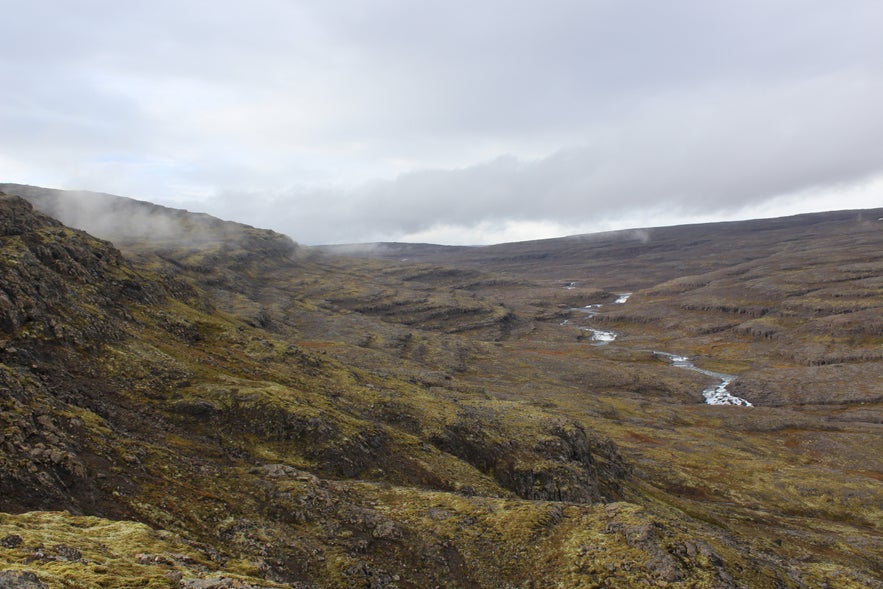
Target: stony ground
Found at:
x=236, y=410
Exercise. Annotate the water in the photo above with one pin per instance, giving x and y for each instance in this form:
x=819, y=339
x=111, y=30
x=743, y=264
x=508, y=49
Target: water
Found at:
x=600, y=337
x=715, y=394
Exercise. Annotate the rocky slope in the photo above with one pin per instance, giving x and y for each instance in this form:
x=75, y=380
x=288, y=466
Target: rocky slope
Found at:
x=237, y=410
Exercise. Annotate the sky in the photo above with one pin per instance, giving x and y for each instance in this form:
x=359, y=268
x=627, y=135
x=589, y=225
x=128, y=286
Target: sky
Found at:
x=459, y=122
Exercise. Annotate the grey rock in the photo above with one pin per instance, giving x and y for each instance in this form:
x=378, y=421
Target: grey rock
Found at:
x=20, y=580
x=11, y=541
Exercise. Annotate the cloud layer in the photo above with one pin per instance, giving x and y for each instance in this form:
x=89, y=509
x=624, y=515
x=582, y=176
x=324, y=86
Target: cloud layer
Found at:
x=344, y=121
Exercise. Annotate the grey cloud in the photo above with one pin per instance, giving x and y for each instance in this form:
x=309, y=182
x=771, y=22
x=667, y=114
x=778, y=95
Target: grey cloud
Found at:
x=398, y=116
x=719, y=151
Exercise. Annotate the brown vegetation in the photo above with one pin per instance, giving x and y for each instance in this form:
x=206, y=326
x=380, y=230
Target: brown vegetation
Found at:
x=238, y=410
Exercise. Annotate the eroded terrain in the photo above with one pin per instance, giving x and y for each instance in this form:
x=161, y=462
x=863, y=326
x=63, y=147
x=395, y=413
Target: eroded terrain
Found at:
x=240, y=409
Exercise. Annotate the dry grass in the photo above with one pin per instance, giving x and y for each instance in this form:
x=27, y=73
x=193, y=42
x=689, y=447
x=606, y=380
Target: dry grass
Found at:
x=284, y=415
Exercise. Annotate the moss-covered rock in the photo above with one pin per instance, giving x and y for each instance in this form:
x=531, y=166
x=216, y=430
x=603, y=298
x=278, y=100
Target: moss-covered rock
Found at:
x=234, y=410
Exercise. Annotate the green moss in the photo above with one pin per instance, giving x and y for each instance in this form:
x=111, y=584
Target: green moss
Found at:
x=340, y=422
x=90, y=552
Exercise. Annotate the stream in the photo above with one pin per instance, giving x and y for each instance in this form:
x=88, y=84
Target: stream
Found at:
x=599, y=336
x=714, y=395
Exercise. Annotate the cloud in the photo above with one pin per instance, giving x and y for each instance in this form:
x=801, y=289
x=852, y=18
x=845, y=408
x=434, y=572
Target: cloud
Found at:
x=715, y=152
x=349, y=121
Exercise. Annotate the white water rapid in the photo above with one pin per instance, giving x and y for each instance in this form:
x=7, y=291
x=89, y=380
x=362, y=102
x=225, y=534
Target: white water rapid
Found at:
x=715, y=394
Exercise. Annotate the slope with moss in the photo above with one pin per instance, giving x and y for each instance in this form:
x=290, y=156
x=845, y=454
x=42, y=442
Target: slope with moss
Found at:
x=326, y=421
x=122, y=400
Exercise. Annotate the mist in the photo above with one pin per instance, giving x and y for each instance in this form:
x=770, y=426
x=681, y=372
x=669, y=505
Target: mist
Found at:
x=125, y=221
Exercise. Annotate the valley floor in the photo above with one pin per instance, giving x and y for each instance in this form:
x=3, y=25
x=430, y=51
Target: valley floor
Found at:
x=244, y=412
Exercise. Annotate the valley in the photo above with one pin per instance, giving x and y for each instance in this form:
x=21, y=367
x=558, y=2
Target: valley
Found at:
x=234, y=409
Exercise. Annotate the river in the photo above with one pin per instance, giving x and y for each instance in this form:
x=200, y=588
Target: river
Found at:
x=714, y=395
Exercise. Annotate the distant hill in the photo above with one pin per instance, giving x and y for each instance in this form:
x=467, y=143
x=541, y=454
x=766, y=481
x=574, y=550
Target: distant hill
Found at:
x=632, y=258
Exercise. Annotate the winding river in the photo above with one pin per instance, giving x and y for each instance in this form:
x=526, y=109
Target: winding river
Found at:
x=714, y=395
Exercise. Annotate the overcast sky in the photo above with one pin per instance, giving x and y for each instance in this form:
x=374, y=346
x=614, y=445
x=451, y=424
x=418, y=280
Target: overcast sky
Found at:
x=455, y=121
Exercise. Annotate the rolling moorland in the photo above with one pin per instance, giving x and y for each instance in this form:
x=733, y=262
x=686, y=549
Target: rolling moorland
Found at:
x=192, y=403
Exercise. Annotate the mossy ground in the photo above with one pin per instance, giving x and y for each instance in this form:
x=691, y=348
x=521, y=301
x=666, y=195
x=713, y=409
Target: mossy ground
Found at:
x=65, y=550
x=281, y=416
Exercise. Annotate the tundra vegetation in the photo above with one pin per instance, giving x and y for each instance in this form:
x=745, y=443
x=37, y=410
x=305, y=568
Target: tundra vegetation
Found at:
x=212, y=405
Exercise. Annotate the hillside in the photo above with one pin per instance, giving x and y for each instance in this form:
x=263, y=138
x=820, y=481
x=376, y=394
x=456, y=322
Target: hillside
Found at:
x=637, y=258
x=232, y=409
